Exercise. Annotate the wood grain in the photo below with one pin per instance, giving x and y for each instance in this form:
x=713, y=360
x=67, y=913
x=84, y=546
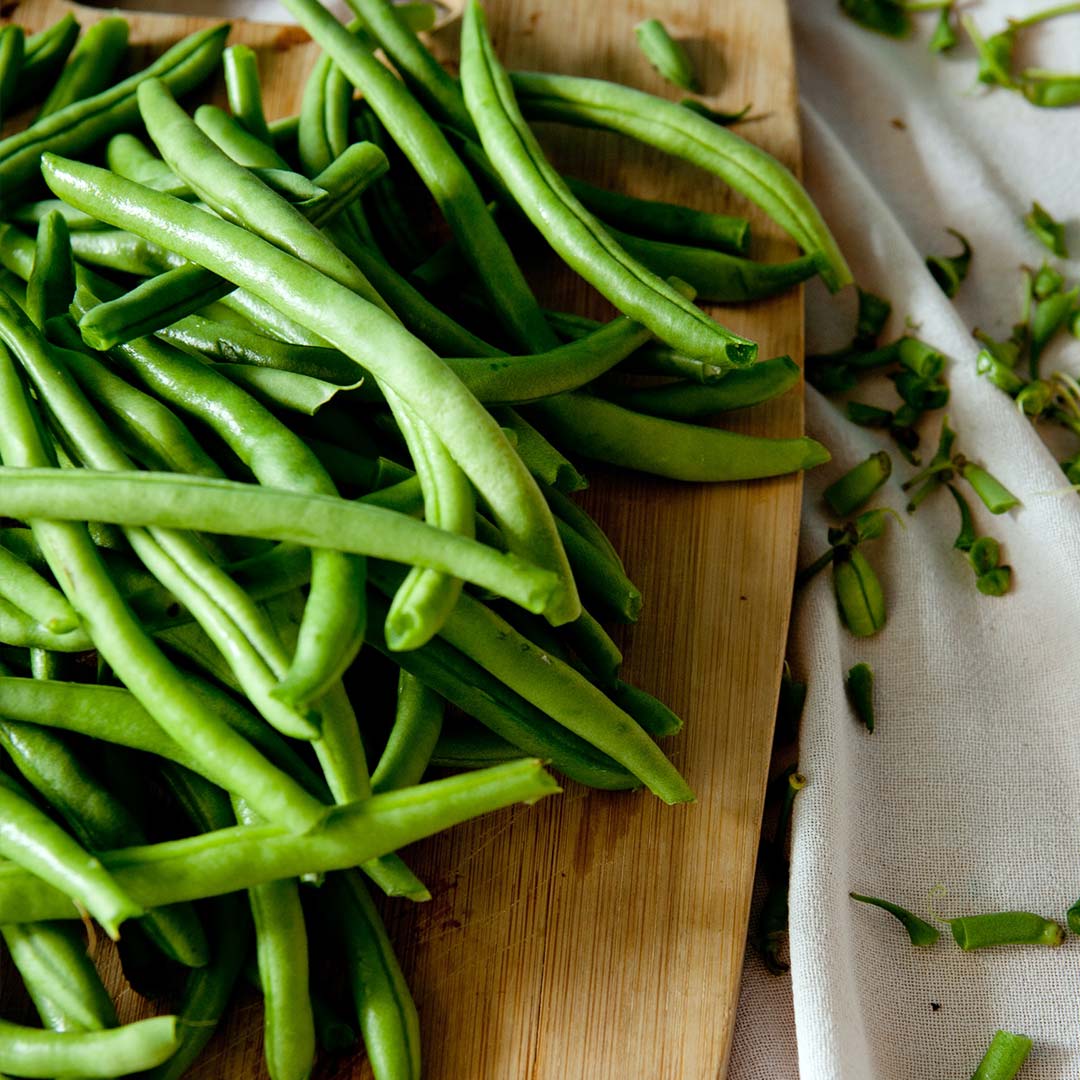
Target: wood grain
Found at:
x=602, y=935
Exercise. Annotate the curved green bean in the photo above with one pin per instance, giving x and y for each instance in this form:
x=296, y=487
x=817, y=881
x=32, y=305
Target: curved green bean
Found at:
x=239, y=857
x=598, y=429
x=24, y=631
x=44, y=54
x=469, y=433
x=748, y=169
x=573, y=232
x=691, y=401
x=666, y=54
x=91, y=66
x=83, y=123
x=231, y=137
x=417, y=725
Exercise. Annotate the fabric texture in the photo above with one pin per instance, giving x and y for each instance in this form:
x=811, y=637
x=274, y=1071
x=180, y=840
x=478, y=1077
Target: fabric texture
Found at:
x=964, y=798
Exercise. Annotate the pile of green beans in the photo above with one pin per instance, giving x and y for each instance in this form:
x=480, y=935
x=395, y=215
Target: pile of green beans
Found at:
x=269, y=450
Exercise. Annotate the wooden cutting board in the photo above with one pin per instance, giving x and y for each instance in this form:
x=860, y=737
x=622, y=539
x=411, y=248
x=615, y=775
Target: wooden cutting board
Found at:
x=601, y=935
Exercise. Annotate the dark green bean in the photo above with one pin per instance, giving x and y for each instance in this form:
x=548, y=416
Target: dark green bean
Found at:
x=667, y=126
x=417, y=724
x=653, y=715
x=91, y=66
x=1005, y=928
x=546, y=462
x=860, y=688
x=44, y=54
x=604, y=583
x=601, y=430
x=242, y=856
x=580, y=521
x=472, y=749
x=244, y=91
x=664, y=221
x=52, y=280
x=131, y=1048
x=596, y=650
x=855, y=488
x=574, y=233
x=59, y=976
x=666, y=54
x=86, y=122
x=12, y=47
x=921, y=933
x=384, y=1006
x=692, y=401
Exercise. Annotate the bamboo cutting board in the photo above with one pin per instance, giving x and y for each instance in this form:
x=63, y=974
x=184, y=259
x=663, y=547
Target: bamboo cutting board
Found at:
x=601, y=935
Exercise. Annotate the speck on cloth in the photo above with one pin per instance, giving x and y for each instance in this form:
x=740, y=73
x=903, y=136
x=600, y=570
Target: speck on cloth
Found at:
x=970, y=785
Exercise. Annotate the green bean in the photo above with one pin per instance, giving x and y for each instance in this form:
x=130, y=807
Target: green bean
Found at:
x=921, y=933
x=131, y=1048
x=667, y=126
x=91, y=66
x=114, y=249
x=604, y=583
x=440, y=170
x=333, y=630
x=475, y=691
x=855, y=488
x=14, y=286
x=231, y=137
x=282, y=949
x=52, y=279
x=22, y=630
x=208, y=989
x=77, y=566
x=384, y=1006
x=469, y=433
x=545, y=462
x=244, y=92
x=59, y=976
x=12, y=47
x=653, y=715
x=723, y=117
x=423, y=74
x=666, y=54
x=44, y=54
x=83, y=123
x=28, y=591
x=242, y=856
x=277, y=389
x=596, y=650
x=1004, y=1057
x=578, y=519
x=601, y=430
x=30, y=839
x=860, y=688
x=716, y=276
x=127, y=155
x=472, y=750
x=417, y=725
x=1005, y=928
x=574, y=233
x=1046, y=230
x=691, y=401
x=664, y=221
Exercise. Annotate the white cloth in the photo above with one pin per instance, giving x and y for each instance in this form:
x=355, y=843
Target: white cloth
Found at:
x=970, y=780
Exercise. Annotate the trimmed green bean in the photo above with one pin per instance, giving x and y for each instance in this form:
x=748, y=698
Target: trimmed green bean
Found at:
x=131, y=1048
x=469, y=433
x=577, y=236
x=855, y=488
x=243, y=89
x=417, y=725
x=59, y=976
x=666, y=55
x=1004, y=1057
x=601, y=430
x=242, y=856
x=91, y=66
x=667, y=126
x=692, y=401
x=859, y=684
x=83, y=123
x=1005, y=928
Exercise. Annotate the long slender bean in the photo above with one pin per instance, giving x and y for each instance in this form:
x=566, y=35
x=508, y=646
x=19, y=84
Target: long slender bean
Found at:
x=667, y=126
x=242, y=146
x=52, y=279
x=12, y=48
x=83, y=123
x=27, y=590
x=44, y=54
x=244, y=91
x=469, y=433
x=576, y=235
x=24, y=631
x=546, y=462
x=91, y=66
x=596, y=428
x=242, y=856
x=417, y=724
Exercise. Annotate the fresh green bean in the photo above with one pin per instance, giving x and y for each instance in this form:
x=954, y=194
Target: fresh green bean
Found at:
x=277, y=389
x=715, y=275
x=417, y=725
x=666, y=54
x=12, y=47
x=127, y=155
x=723, y=117
x=692, y=401
x=579, y=520
x=281, y=947
x=664, y=221
x=22, y=630
x=653, y=715
x=667, y=126
x=546, y=462
x=598, y=429
x=30, y=839
x=44, y=54
x=595, y=649
x=244, y=91
x=1004, y=1057
x=131, y=1048
x=242, y=856
x=472, y=749
x=1005, y=928
x=52, y=278
x=440, y=170
x=469, y=433
x=855, y=488
x=59, y=976
x=84, y=123
x=114, y=249
x=604, y=583
x=91, y=66
x=921, y=933
x=27, y=590
x=574, y=233
x=232, y=138
x=384, y=1006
